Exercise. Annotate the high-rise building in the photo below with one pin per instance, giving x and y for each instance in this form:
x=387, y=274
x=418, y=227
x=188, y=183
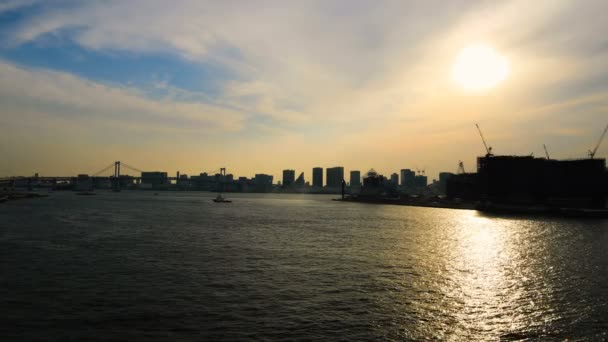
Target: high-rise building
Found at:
x=443, y=180
x=155, y=179
x=355, y=178
x=420, y=181
x=264, y=179
x=289, y=176
x=300, y=180
x=407, y=178
x=395, y=179
x=317, y=177
x=335, y=176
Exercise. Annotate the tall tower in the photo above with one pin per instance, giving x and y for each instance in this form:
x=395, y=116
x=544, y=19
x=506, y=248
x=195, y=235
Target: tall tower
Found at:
x=317, y=177
x=355, y=178
x=335, y=176
x=289, y=176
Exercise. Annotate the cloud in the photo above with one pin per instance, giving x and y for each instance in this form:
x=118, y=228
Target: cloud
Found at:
x=62, y=96
x=342, y=77
x=12, y=5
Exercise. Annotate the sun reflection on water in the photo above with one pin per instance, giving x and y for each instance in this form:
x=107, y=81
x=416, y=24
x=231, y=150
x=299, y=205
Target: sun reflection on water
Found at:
x=481, y=275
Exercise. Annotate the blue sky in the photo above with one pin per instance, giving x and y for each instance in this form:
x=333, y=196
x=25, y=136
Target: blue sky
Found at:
x=259, y=86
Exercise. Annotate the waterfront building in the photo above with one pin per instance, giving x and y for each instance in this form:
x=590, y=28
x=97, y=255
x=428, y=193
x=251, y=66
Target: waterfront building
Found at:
x=83, y=183
x=300, y=180
x=335, y=176
x=373, y=185
x=395, y=179
x=289, y=176
x=525, y=179
x=420, y=181
x=355, y=178
x=317, y=177
x=154, y=180
x=407, y=178
x=443, y=180
x=262, y=183
x=205, y=182
x=261, y=178
x=102, y=183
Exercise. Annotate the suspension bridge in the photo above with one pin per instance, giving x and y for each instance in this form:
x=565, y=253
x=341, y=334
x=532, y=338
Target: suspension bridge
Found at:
x=118, y=174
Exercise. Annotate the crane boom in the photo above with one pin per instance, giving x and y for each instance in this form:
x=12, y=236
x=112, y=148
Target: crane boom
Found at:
x=488, y=149
x=599, y=142
x=546, y=152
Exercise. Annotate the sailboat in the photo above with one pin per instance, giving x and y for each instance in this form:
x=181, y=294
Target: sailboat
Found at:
x=220, y=198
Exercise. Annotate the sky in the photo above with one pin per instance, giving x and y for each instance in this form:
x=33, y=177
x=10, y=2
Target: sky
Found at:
x=262, y=86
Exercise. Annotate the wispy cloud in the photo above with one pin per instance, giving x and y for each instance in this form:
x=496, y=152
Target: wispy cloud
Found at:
x=62, y=95
x=355, y=75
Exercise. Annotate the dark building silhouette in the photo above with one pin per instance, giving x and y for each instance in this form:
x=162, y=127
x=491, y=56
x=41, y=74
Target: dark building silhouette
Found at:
x=317, y=177
x=203, y=182
x=526, y=180
x=443, y=181
x=262, y=183
x=83, y=183
x=420, y=181
x=335, y=176
x=373, y=185
x=299, y=182
x=408, y=178
x=182, y=182
x=395, y=179
x=355, y=178
x=463, y=186
x=154, y=180
x=289, y=176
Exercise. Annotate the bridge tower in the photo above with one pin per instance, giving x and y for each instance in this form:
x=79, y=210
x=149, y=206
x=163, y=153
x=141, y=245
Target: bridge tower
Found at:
x=116, y=185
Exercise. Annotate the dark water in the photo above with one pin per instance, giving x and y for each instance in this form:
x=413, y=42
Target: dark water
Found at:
x=292, y=267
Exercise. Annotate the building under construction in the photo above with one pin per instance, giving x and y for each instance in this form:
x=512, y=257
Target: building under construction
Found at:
x=526, y=180
x=534, y=181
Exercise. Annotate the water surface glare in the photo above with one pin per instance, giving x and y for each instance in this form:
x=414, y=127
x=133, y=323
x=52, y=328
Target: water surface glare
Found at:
x=176, y=266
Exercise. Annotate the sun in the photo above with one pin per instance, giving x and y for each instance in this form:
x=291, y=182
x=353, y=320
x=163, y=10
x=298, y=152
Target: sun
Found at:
x=479, y=67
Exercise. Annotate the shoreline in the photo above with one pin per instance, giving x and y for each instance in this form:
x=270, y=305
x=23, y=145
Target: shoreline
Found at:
x=492, y=209
x=412, y=203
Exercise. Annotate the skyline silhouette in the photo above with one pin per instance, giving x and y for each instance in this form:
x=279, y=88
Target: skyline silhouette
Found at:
x=259, y=88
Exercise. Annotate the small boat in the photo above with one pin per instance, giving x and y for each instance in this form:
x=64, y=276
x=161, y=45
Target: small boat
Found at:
x=221, y=199
x=86, y=193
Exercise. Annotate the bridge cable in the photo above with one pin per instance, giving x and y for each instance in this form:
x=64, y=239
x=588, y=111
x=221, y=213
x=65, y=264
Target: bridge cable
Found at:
x=130, y=167
x=104, y=170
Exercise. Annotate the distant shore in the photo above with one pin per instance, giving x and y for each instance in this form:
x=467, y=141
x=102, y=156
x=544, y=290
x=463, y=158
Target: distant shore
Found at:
x=499, y=209
x=414, y=202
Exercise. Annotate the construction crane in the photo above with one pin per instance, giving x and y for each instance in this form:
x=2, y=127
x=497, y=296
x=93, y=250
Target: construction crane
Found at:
x=592, y=152
x=488, y=148
x=546, y=152
x=460, y=168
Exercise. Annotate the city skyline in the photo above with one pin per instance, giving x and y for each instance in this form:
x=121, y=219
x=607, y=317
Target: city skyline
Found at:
x=258, y=88
x=354, y=177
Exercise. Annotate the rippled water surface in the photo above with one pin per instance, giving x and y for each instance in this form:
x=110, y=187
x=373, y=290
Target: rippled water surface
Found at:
x=176, y=266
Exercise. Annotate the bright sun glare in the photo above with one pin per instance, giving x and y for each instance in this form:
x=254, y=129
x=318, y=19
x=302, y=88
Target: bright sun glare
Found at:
x=479, y=67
